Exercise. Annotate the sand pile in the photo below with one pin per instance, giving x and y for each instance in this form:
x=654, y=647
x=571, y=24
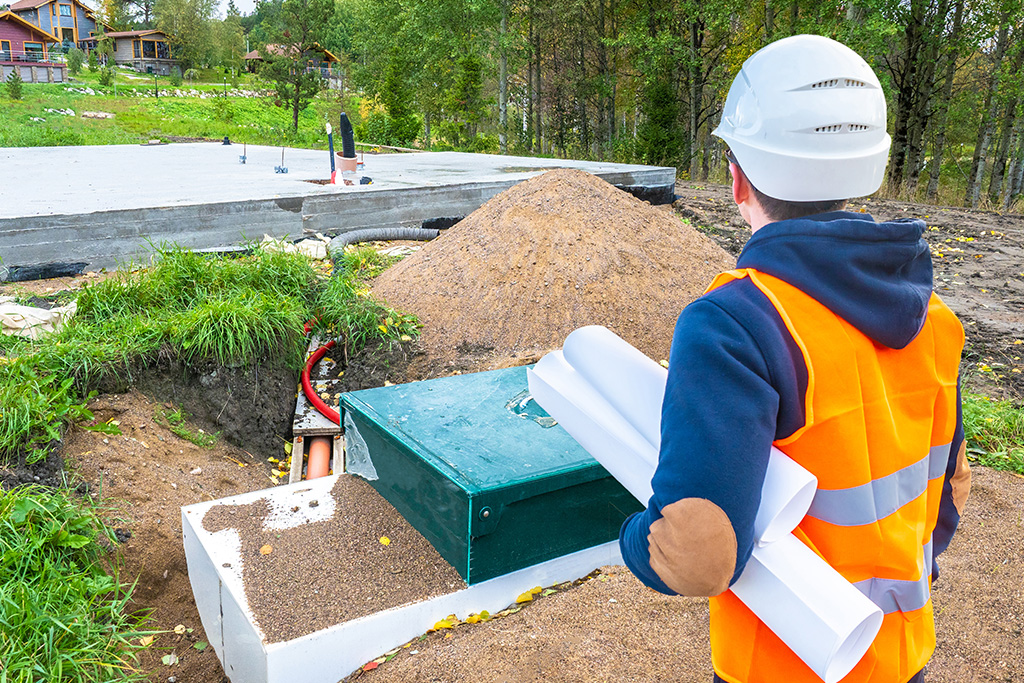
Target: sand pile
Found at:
x=554, y=253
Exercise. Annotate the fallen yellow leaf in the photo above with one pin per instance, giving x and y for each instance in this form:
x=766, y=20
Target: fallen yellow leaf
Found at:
x=525, y=597
x=536, y=589
x=444, y=623
x=384, y=540
x=473, y=619
x=267, y=549
x=145, y=642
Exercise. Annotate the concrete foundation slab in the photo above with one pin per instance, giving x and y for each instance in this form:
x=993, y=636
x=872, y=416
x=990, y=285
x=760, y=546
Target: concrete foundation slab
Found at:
x=104, y=206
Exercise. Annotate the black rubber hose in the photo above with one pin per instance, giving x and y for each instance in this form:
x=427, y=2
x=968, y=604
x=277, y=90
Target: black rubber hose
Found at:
x=348, y=137
x=381, y=235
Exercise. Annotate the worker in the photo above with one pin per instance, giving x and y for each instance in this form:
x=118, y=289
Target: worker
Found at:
x=828, y=343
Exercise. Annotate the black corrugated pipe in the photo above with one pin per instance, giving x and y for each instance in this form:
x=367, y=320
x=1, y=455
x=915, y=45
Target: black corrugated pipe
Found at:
x=348, y=137
x=381, y=235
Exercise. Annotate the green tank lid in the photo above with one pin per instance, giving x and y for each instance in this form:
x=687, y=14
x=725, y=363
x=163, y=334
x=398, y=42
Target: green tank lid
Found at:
x=480, y=470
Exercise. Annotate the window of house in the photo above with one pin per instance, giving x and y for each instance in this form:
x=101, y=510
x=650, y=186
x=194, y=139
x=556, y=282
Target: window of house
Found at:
x=148, y=49
x=34, y=49
x=137, y=50
x=5, y=50
x=65, y=10
x=161, y=51
x=53, y=10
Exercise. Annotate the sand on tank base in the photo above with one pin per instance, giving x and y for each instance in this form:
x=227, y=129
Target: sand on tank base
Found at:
x=295, y=583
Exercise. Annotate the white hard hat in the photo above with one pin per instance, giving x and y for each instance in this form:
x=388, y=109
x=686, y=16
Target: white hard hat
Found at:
x=805, y=119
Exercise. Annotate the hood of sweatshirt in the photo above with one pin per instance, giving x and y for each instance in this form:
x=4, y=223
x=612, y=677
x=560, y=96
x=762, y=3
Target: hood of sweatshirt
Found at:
x=876, y=276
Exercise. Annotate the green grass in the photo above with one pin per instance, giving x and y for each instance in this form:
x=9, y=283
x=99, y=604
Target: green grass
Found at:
x=995, y=432
x=197, y=308
x=176, y=421
x=346, y=310
x=64, y=615
x=203, y=113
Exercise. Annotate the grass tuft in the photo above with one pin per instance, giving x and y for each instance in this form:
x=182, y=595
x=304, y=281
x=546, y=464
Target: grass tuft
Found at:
x=176, y=422
x=995, y=432
x=64, y=617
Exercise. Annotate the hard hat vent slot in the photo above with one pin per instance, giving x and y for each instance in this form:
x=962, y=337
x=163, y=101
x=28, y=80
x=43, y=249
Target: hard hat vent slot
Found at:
x=850, y=83
x=831, y=83
x=842, y=127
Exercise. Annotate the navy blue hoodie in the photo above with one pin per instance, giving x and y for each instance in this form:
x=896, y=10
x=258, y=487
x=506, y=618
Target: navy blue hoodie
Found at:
x=737, y=380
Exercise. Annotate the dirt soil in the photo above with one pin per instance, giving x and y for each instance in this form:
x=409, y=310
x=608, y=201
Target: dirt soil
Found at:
x=554, y=253
x=608, y=628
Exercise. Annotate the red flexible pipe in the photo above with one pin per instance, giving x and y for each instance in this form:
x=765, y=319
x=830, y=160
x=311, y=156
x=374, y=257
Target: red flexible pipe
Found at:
x=307, y=388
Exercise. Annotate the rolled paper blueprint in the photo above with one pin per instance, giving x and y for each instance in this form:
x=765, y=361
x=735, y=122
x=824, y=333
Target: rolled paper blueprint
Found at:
x=603, y=395
x=820, y=615
x=587, y=405
x=633, y=383
x=594, y=423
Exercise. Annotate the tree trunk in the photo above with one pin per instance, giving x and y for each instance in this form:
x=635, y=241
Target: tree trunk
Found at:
x=535, y=95
x=1005, y=134
x=769, y=21
x=503, y=82
x=906, y=80
x=922, y=111
x=943, y=111
x=1017, y=177
x=696, y=78
x=973, y=193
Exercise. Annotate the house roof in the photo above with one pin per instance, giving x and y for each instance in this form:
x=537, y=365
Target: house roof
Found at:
x=32, y=4
x=22, y=5
x=134, y=34
x=278, y=50
x=11, y=16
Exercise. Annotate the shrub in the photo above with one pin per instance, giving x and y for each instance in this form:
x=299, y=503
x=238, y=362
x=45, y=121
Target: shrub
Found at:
x=75, y=60
x=14, y=85
x=107, y=76
x=175, y=76
x=94, y=63
x=191, y=75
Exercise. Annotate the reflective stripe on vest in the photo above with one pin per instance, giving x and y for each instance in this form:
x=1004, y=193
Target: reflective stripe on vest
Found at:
x=893, y=595
x=880, y=498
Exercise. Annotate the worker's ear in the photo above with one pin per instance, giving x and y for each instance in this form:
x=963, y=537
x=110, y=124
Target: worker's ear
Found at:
x=740, y=185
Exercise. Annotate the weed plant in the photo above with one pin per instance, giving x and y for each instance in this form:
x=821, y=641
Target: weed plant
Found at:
x=995, y=432
x=177, y=422
x=347, y=311
x=63, y=613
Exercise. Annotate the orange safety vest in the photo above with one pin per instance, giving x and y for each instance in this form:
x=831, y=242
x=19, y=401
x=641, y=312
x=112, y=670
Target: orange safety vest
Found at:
x=879, y=423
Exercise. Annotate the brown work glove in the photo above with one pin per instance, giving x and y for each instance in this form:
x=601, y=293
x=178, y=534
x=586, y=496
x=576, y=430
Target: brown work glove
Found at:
x=693, y=547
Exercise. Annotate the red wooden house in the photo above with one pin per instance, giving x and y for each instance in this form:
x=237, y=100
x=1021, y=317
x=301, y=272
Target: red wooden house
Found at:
x=24, y=48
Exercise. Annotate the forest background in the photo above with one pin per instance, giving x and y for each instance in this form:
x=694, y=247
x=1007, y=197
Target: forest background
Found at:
x=638, y=80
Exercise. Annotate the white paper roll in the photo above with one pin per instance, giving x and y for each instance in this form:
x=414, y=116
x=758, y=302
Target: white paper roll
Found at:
x=820, y=615
x=621, y=373
x=785, y=497
x=598, y=427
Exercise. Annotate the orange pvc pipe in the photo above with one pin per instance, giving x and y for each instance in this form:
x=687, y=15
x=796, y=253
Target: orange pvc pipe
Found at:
x=319, y=457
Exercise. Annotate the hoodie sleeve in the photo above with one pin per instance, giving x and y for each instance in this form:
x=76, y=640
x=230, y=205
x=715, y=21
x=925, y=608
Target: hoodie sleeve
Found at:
x=955, y=488
x=730, y=358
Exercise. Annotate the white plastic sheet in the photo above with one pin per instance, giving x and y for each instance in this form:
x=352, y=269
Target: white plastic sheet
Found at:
x=607, y=395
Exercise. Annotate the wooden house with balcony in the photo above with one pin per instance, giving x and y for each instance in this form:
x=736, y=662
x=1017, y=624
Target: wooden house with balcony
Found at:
x=69, y=22
x=25, y=49
x=147, y=51
x=319, y=59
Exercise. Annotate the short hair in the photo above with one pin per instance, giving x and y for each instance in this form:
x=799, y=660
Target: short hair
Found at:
x=781, y=209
